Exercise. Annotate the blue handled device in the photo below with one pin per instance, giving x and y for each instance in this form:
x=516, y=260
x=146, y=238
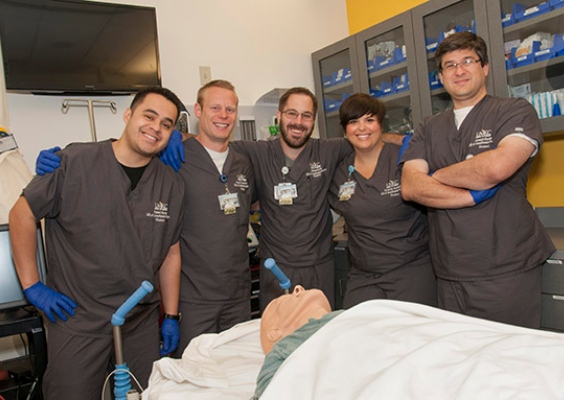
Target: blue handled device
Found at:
x=283, y=280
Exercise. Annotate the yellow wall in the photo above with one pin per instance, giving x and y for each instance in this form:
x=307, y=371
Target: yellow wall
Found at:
x=546, y=180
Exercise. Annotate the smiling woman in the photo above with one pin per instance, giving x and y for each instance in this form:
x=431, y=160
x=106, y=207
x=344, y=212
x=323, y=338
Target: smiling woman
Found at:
x=387, y=237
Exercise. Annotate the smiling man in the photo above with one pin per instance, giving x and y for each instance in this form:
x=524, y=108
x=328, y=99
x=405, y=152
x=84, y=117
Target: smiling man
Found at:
x=112, y=216
x=470, y=165
x=216, y=278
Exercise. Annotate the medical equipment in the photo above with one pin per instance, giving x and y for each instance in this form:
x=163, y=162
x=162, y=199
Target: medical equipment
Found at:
x=283, y=280
x=122, y=375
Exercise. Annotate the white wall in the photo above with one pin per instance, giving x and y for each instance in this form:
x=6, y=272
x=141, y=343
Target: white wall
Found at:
x=258, y=45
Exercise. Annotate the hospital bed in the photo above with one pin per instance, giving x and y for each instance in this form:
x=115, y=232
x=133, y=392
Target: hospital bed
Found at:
x=379, y=349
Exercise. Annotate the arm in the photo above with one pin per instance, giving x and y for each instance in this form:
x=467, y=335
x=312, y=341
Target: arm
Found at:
x=24, y=242
x=489, y=168
x=393, y=138
x=418, y=186
x=169, y=277
x=24, y=248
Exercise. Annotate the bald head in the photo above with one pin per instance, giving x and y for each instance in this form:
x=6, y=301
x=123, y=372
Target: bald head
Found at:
x=289, y=312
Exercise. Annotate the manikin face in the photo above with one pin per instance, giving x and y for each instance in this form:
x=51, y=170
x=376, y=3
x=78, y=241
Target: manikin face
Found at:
x=364, y=133
x=148, y=127
x=217, y=114
x=288, y=312
x=466, y=84
x=296, y=132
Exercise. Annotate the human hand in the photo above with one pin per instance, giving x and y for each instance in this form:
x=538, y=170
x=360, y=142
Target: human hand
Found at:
x=480, y=196
x=173, y=153
x=404, y=146
x=47, y=161
x=50, y=301
x=171, y=336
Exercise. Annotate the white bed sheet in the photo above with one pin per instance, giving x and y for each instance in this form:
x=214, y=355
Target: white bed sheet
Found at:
x=213, y=366
x=384, y=349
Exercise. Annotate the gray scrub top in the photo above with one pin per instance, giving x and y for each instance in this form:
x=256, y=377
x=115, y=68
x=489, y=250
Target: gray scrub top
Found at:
x=297, y=234
x=499, y=236
x=102, y=238
x=215, y=252
x=384, y=231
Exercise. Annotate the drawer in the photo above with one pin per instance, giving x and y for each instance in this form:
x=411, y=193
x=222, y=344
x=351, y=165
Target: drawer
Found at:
x=552, y=316
x=553, y=277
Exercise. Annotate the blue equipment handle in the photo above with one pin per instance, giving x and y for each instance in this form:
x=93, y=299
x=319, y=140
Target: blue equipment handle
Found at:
x=119, y=316
x=283, y=280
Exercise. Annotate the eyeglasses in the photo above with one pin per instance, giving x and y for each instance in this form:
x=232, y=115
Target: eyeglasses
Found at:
x=464, y=64
x=293, y=114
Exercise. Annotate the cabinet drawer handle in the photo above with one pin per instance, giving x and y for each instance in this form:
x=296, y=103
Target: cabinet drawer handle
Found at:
x=556, y=297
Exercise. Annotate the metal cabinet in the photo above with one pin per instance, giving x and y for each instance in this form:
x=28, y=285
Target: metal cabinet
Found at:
x=388, y=70
x=528, y=46
x=335, y=70
x=432, y=22
x=411, y=39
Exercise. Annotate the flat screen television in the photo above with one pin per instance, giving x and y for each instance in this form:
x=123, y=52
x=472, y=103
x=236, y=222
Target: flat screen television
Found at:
x=78, y=47
x=11, y=294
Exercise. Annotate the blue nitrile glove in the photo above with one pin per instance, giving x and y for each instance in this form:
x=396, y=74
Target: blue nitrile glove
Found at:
x=47, y=161
x=483, y=195
x=404, y=146
x=50, y=301
x=171, y=336
x=173, y=153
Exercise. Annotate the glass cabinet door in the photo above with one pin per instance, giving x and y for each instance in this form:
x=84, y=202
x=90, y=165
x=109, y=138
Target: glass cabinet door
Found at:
x=335, y=75
x=531, y=37
x=387, y=70
x=433, y=22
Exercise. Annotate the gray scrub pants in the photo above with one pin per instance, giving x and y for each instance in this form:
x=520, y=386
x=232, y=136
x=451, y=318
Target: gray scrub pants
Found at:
x=514, y=299
x=78, y=365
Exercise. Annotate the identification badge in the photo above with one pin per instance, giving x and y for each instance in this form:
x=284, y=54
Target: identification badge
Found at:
x=285, y=193
x=229, y=202
x=346, y=190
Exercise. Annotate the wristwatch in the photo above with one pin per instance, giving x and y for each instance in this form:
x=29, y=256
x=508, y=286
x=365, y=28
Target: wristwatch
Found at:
x=174, y=317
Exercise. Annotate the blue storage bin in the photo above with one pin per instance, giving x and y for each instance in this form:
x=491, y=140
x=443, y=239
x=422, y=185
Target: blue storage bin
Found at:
x=507, y=20
x=558, y=46
x=378, y=61
x=388, y=62
x=370, y=66
x=544, y=54
x=401, y=83
x=386, y=88
x=509, y=63
x=376, y=93
x=521, y=13
x=339, y=76
x=331, y=105
x=434, y=81
x=554, y=4
x=348, y=75
x=431, y=44
x=399, y=57
x=327, y=80
x=526, y=59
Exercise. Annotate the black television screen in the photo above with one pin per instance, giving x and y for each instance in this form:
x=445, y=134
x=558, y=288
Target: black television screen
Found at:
x=11, y=294
x=76, y=46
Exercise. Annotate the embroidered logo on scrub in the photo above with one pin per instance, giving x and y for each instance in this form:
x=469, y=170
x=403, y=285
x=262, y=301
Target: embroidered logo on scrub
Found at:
x=316, y=170
x=241, y=182
x=483, y=139
x=393, y=188
x=160, y=212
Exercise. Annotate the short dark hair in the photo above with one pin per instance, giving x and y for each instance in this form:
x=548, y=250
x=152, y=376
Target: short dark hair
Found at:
x=297, y=90
x=219, y=83
x=166, y=93
x=462, y=41
x=358, y=105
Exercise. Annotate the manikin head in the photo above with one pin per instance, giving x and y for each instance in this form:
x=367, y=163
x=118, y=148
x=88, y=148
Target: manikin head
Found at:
x=289, y=312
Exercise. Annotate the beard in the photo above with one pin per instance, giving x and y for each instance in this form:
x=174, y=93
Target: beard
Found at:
x=295, y=143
